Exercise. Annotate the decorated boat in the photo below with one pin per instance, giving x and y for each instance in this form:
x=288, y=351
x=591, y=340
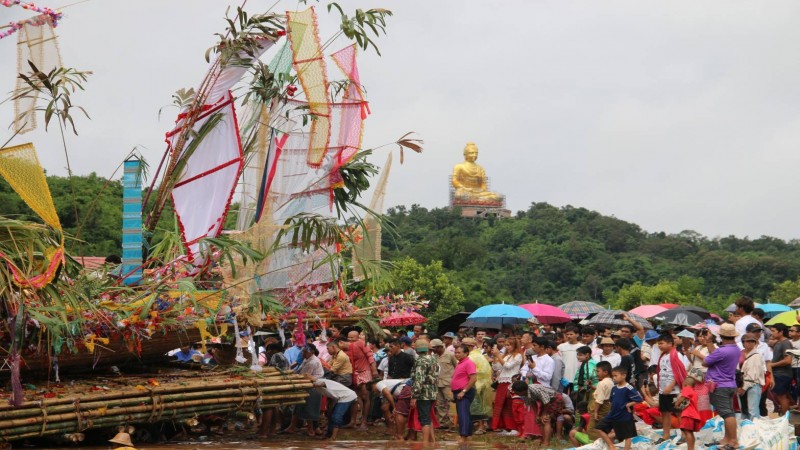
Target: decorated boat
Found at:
x=300, y=258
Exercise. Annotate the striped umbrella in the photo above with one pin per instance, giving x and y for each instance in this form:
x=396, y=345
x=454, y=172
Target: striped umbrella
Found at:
x=613, y=318
x=580, y=309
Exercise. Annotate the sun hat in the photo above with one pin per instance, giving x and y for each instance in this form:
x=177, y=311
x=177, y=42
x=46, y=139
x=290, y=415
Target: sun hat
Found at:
x=606, y=341
x=449, y=334
x=122, y=439
x=437, y=343
x=686, y=334
x=421, y=345
x=728, y=330
x=469, y=341
x=650, y=335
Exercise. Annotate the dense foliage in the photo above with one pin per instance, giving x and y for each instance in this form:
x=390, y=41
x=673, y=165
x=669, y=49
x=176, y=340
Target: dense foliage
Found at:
x=546, y=253
x=555, y=255
x=96, y=229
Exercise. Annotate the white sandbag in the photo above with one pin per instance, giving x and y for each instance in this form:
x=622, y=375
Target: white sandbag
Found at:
x=760, y=434
x=768, y=434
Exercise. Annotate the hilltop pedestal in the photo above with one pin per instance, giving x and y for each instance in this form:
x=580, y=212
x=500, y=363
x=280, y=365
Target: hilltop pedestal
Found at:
x=483, y=211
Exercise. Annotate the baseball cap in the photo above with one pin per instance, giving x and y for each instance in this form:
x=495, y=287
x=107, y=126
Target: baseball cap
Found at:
x=405, y=340
x=449, y=334
x=753, y=328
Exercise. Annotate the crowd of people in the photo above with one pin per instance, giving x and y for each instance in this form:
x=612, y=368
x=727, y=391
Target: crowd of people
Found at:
x=570, y=383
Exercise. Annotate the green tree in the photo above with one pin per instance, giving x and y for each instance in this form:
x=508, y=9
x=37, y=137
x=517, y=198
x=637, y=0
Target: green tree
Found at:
x=433, y=284
x=785, y=292
x=637, y=294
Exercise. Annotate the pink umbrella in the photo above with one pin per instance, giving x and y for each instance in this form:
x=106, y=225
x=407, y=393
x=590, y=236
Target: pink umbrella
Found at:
x=547, y=313
x=669, y=305
x=402, y=319
x=648, y=311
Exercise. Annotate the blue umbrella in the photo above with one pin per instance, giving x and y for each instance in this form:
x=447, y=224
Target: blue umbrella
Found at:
x=497, y=316
x=773, y=309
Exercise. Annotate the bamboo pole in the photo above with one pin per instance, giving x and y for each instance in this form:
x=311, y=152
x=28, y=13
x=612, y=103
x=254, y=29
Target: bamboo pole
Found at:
x=267, y=378
x=109, y=422
x=154, y=408
x=114, y=421
x=139, y=414
x=146, y=398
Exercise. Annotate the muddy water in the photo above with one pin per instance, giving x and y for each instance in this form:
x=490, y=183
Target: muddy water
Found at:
x=306, y=445
x=229, y=444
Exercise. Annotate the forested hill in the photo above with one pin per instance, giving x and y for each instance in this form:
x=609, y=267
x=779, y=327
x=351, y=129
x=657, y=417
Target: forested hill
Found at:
x=546, y=253
x=556, y=254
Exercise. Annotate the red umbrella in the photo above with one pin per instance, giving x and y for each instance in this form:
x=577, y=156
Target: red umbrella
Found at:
x=648, y=311
x=547, y=313
x=402, y=319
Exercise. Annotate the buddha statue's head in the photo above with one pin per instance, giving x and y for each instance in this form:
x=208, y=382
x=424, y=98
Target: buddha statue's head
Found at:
x=471, y=152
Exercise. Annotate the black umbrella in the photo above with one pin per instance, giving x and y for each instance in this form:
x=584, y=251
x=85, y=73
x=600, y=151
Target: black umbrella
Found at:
x=453, y=322
x=699, y=310
x=680, y=316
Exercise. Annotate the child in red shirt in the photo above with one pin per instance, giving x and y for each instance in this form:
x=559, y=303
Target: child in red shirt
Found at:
x=518, y=411
x=690, y=416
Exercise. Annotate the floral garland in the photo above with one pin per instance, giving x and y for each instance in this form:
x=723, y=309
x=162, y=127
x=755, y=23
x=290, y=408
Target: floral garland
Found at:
x=407, y=302
x=46, y=15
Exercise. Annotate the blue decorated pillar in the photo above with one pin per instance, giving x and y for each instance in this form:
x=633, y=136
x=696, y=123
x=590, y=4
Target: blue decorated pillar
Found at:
x=132, y=222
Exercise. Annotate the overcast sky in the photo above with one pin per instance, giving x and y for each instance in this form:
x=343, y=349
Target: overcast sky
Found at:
x=673, y=115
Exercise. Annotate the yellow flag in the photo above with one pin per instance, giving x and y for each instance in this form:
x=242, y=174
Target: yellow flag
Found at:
x=20, y=166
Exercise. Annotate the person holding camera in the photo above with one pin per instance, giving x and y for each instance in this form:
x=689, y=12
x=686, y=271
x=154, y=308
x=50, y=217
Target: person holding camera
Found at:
x=507, y=365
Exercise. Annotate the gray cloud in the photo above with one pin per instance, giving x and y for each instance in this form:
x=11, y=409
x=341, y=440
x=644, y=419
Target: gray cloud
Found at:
x=679, y=115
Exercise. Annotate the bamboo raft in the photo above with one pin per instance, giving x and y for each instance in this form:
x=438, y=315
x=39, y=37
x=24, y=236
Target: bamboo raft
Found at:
x=133, y=400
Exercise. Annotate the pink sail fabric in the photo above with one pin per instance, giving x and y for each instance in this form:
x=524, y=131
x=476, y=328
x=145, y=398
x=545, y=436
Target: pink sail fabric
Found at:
x=203, y=192
x=351, y=127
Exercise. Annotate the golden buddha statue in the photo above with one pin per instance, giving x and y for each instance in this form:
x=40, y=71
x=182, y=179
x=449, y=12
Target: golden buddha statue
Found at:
x=469, y=180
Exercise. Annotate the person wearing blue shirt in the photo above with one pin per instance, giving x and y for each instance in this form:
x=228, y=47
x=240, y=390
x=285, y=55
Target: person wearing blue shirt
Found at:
x=185, y=353
x=295, y=356
x=620, y=417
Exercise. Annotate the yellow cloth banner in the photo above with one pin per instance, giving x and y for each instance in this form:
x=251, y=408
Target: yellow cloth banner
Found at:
x=20, y=166
x=309, y=64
